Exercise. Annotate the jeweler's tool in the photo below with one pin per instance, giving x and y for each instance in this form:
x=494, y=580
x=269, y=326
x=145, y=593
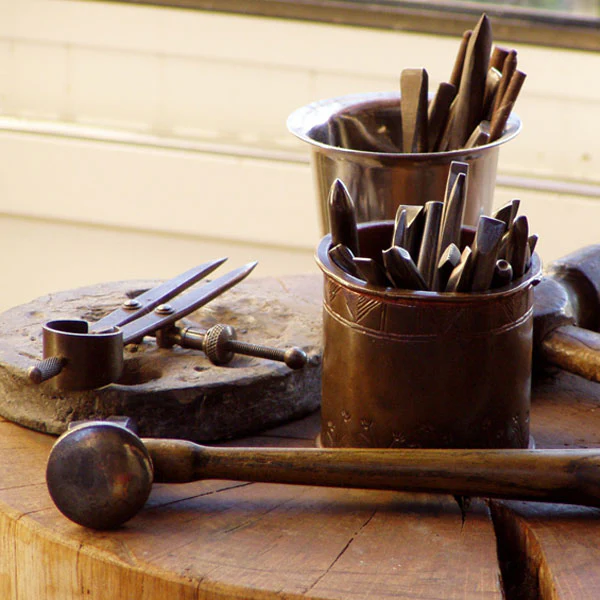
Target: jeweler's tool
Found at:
x=80, y=355
x=109, y=454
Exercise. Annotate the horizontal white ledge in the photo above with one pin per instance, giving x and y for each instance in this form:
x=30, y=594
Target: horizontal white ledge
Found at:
x=76, y=131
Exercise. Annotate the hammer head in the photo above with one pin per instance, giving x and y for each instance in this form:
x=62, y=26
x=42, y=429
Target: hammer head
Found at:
x=569, y=294
x=579, y=273
x=552, y=308
x=567, y=314
x=99, y=474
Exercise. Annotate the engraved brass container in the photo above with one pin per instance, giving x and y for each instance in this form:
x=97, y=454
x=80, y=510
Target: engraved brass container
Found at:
x=423, y=369
x=379, y=181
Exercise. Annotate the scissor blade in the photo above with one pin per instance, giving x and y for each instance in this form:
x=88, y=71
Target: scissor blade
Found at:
x=152, y=298
x=185, y=304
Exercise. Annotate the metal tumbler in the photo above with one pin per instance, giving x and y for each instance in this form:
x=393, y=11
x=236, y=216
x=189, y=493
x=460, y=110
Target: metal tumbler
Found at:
x=379, y=182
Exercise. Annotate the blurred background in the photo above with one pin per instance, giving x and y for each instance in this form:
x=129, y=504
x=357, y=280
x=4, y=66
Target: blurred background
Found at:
x=140, y=139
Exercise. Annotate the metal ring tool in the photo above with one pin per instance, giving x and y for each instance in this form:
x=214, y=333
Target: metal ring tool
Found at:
x=79, y=355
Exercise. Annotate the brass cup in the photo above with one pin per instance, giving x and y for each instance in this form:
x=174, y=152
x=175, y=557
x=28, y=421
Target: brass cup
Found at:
x=423, y=369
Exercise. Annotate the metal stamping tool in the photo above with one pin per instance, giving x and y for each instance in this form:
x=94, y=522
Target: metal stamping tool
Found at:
x=400, y=227
x=485, y=252
x=413, y=105
x=427, y=260
x=480, y=135
x=508, y=212
x=515, y=84
x=503, y=273
x=469, y=100
x=111, y=454
x=492, y=82
x=371, y=271
x=342, y=217
x=497, y=57
x=402, y=270
x=449, y=259
x=508, y=68
x=460, y=278
x=344, y=259
x=79, y=355
x=517, y=246
x=459, y=61
x=499, y=121
x=437, y=114
x=415, y=222
x=454, y=207
x=532, y=242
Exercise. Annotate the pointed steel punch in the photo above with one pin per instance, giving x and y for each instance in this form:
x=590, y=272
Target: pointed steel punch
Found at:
x=79, y=355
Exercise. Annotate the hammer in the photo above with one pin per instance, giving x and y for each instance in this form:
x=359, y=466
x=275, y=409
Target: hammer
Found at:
x=100, y=473
x=566, y=315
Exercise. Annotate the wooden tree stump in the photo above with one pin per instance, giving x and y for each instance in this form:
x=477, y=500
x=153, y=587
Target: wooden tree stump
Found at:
x=229, y=539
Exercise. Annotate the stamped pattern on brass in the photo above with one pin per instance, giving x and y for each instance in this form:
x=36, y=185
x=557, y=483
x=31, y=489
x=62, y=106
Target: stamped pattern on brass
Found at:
x=331, y=435
x=333, y=289
x=362, y=307
x=520, y=430
x=494, y=433
x=407, y=319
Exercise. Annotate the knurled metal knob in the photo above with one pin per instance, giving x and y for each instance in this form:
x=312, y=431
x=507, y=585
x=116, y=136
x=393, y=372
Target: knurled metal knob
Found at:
x=216, y=344
x=46, y=369
x=220, y=344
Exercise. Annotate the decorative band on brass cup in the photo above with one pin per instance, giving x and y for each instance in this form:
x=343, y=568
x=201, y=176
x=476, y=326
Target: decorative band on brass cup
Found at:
x=379, y=181
x=423, y=369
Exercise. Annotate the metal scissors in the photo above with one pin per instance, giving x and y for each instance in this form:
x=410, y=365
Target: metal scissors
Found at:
x=82, y=355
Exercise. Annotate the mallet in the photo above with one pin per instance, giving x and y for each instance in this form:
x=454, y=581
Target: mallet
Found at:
x=566, y=314
x=100, y=473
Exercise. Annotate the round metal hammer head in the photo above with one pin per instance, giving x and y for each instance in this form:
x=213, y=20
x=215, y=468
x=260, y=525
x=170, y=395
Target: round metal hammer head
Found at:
x=99, y=474
x=552, y=308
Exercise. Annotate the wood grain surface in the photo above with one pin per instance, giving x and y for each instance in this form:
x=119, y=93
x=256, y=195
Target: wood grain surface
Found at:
x=223, y=539
x=553, y=552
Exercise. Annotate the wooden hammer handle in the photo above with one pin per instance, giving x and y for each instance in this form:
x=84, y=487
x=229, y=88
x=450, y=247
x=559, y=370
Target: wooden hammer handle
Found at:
x=569, y=477
x=574, y=349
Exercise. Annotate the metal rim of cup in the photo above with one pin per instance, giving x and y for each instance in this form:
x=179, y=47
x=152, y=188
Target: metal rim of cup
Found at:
x=531, y=277
x=303, y=120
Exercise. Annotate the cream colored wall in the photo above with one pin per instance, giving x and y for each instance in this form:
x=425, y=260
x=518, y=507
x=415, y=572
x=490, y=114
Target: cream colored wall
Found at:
x=138, y=141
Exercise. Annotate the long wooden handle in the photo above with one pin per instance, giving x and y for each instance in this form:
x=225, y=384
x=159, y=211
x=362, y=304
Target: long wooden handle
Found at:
x=569, y=477
x=574, y=349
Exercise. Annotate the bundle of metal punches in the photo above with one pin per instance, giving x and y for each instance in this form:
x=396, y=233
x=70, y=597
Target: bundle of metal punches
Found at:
x=470, y=109
x=425, y=253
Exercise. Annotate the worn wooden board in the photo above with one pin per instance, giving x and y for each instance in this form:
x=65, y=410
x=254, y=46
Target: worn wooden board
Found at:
x=175, y=392
x=552, y=551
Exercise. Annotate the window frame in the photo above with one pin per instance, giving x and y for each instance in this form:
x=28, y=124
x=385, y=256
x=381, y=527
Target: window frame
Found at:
x=511, y=24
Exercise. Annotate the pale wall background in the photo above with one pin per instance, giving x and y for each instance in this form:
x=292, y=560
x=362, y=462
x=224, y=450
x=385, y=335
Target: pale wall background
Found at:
x=136, y=141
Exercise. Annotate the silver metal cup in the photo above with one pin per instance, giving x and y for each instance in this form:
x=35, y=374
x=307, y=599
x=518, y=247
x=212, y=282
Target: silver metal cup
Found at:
x=379, y=182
